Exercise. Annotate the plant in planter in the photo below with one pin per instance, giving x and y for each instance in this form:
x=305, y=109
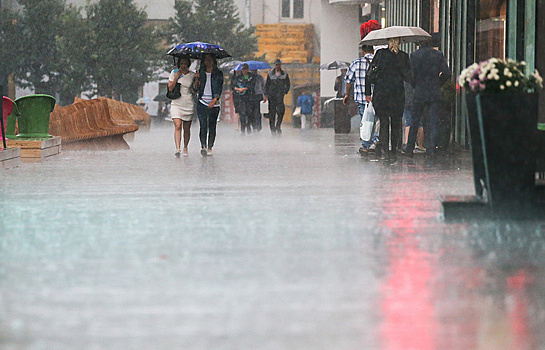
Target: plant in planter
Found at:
x=497, y=75
x=502, y=121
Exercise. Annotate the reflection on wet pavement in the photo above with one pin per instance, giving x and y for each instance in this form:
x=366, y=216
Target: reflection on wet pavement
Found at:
x=272, y=243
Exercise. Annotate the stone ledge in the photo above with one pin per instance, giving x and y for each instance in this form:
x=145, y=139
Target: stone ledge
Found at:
x=37, y=149
x=10, y=157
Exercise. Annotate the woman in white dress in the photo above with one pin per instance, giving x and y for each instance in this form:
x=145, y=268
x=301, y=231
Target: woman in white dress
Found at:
x=182, y=108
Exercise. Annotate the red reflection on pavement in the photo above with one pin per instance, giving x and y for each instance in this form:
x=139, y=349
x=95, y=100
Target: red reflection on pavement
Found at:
x=518, y=317
x=408, y=311
x=409, y=321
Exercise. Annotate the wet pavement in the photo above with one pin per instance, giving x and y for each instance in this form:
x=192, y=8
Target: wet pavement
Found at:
x=272, y=243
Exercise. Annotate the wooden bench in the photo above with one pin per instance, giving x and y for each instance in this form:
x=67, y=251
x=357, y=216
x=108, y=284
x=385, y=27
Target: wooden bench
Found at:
x=89, y=119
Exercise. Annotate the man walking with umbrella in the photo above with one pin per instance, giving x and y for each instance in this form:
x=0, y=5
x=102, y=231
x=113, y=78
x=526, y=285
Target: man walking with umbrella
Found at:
x=276, y=86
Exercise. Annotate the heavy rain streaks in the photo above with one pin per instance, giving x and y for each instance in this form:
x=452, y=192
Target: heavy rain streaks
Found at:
x=273, y=242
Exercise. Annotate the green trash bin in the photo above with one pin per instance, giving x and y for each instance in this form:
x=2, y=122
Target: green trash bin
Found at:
x=34, y=112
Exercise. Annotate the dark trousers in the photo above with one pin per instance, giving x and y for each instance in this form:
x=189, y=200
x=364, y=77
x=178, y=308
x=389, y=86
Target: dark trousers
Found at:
x=276, y=114
x=246, y=113
x=208, y=119
x=257, y=115
x=387, y=119
x=431, y=124
x=342, y=119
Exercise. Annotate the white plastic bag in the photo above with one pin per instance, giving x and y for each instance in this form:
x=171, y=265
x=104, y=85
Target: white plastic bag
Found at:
x=367, y=122
x=264, y=107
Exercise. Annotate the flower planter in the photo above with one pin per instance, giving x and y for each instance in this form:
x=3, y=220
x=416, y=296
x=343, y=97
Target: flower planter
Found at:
x=503, y=131
x=34, y=111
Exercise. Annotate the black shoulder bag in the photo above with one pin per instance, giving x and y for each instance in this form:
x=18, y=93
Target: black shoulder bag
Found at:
x=373, y=73
x=175, y=93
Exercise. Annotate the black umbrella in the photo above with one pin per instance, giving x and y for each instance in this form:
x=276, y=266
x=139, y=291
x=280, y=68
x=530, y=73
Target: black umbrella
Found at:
x=161, y=98
x=197, y=49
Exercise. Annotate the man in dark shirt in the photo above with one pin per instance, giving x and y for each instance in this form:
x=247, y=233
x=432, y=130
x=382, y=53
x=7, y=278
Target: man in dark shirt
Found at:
x=276, y=86
x=430, y=71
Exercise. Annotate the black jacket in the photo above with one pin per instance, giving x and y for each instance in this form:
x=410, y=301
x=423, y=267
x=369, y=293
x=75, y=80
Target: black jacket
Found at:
x=217, y=83
x=277, y=86
x=430, y=71
x=393, y=70
x=339, y=81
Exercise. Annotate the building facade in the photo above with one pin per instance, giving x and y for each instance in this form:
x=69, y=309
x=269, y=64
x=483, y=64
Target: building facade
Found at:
x=475, y=30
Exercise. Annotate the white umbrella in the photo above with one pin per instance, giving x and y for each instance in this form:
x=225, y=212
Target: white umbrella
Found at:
x=229, y=65
x=335, y=65
x=406, y=34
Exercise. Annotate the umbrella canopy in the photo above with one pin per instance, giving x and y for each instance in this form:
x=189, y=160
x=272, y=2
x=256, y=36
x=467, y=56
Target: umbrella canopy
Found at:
x=335, y=65
x=406, y=34
x=227, y=66
x=196, y=49
x=161, y=98
x=143, y=100
x=253, y=65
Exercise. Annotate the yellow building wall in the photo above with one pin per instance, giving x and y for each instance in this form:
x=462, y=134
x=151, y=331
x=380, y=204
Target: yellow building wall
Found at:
x=294, y=45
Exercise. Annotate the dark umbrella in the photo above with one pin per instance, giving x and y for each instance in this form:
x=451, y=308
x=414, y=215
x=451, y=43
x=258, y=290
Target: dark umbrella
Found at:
x=161, y=98
x=253, y=65
x=197, y=49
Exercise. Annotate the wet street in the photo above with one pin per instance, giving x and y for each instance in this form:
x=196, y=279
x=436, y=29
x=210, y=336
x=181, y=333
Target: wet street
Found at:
x=293, y=242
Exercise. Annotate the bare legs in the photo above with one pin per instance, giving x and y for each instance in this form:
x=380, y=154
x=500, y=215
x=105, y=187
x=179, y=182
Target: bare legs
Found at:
x=178, y=126
x=177, y=132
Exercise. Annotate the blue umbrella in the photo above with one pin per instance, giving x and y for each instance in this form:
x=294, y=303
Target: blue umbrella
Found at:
x=253, y=65
x=197, y=49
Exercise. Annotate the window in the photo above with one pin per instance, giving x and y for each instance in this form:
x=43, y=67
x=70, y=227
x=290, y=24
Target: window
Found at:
x=491, y=30
x=293, y=8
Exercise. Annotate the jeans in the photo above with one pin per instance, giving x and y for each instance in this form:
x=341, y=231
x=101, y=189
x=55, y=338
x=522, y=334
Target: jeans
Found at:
x=208, y=119
x=431, y=120
x=408, y=115
x=374, y=139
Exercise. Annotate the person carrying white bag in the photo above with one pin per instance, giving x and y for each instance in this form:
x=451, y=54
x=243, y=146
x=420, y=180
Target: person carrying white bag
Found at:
x=355, y=86
x=367, y=124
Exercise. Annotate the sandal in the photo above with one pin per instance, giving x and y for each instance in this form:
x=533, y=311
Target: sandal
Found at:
x=177, y=154
x=185, y=153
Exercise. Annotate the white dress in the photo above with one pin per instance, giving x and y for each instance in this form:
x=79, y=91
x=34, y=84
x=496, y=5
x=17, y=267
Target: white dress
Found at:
x=183, y=107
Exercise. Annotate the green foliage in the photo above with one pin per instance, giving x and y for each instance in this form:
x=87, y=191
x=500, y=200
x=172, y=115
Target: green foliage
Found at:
x=38, y=65
x=125, y=50
x=212, y=21
x=11, y=34
x=73, y=42
x=49, y=46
